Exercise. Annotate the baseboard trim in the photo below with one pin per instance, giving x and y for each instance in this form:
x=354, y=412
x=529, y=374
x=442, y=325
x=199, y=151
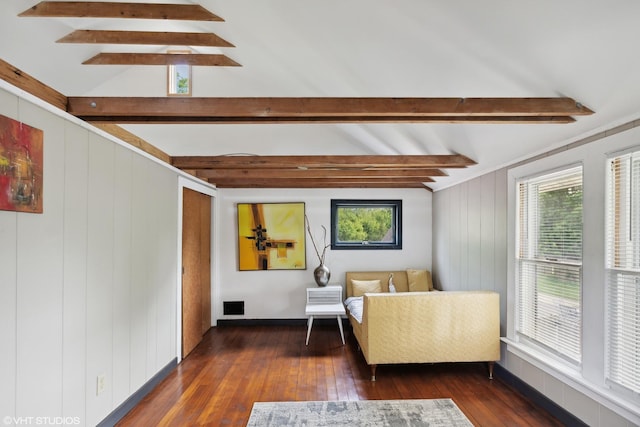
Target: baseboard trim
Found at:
x=114, y=417
x=278, y=322
x=565, y=417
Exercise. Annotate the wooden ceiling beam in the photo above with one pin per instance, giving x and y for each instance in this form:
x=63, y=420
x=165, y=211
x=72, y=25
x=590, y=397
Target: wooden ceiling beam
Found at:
x=211, y=60
x=144, y=38
x=232, y=174
x=343, y=162
x=31, y=85
x=366, y=171
x=326, y=120
x=327, y=110
x=319, y=183
x=85, y=9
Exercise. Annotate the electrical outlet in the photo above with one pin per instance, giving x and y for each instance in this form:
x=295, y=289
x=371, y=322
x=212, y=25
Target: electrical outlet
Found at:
x=100, y=383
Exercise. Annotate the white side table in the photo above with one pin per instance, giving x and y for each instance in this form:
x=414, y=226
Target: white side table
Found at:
x=324, y=301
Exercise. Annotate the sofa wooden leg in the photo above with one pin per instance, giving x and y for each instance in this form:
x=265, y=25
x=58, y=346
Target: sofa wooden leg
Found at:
x=491, y=364
x=373, y=372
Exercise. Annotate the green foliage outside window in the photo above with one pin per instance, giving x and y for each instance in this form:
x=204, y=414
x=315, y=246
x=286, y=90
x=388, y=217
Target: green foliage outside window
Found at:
x=364, y=224
x=183, y=84
x=560, y=214
x=560, y=238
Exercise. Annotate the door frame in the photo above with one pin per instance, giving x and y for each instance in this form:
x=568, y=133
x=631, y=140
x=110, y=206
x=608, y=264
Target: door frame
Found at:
x=209, y=190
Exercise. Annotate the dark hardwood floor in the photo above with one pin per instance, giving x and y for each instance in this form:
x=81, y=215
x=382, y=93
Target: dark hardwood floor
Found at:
x=235, y=366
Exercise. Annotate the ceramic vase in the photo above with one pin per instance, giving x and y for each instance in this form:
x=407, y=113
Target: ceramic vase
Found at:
x=322, y=274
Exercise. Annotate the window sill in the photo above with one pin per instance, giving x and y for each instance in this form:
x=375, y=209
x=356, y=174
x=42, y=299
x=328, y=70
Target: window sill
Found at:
x=573, y=378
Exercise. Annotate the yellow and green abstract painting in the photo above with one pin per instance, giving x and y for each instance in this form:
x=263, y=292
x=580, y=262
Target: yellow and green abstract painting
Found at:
x=271, y=236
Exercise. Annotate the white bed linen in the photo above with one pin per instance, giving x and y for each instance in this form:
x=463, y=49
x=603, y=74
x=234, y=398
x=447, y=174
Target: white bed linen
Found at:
x=354, y=305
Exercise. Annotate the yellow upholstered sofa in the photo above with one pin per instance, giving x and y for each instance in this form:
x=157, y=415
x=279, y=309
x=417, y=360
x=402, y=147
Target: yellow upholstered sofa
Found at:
x=422, y=326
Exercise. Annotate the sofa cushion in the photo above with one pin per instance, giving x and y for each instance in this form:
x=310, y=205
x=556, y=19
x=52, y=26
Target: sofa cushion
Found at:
x=419, y=280
x=360, y=287
x=399, y=279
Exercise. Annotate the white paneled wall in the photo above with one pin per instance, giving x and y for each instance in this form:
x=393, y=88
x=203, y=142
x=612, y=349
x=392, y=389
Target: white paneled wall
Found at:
x=40, y=284
x=469, y=235
x=122, y=274
x=74, y=336
x=88, y=287
x=8, y=290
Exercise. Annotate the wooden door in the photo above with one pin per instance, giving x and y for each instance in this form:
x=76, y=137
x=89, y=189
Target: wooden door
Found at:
x=196, y=268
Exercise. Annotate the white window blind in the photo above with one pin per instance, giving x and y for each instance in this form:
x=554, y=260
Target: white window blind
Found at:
x=623, y=271
x=549, y=262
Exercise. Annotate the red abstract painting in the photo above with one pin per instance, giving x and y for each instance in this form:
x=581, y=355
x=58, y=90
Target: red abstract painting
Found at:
x=20, y=167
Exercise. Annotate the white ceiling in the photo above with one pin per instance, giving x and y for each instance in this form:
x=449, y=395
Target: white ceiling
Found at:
x=587, y=50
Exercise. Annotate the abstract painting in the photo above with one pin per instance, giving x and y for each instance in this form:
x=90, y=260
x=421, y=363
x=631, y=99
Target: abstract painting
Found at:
x=20, y=167
x=271, y=236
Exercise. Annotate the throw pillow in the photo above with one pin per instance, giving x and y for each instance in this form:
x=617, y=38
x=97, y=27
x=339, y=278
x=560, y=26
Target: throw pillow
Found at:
x=419, y=280
x=360, y=287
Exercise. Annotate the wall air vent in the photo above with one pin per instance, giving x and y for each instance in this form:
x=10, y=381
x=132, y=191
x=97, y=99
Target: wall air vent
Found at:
x=233, y=307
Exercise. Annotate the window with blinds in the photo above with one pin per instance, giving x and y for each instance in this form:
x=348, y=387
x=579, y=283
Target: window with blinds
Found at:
x=549, y=262
x=623, y=271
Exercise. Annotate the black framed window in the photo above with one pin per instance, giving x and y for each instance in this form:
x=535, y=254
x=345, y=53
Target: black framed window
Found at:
x=366, y=224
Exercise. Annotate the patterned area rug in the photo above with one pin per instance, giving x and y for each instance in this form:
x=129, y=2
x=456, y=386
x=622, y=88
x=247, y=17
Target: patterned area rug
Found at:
x=391, y=413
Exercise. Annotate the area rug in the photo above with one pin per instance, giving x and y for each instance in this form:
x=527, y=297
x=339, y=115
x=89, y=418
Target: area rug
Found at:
x=391, y=413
